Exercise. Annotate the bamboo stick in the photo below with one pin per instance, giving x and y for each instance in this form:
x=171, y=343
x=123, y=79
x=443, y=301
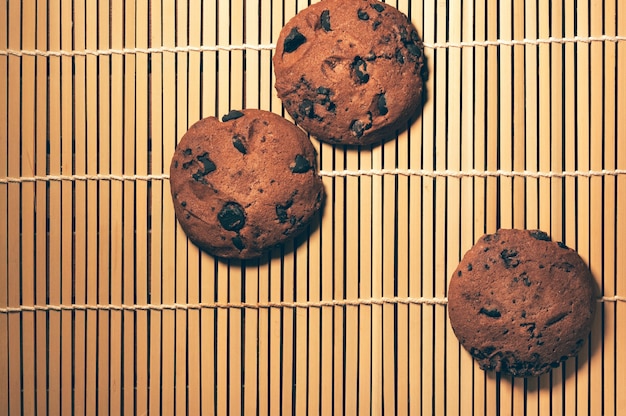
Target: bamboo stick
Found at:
x=194, y=274
x=117, y=206
x=183, y=269
x=427, y=254
x=142, y=249
x=414, y=261
x=67, y=211
x=598, y=212
x=607, y=158
x=442, y=189
x=583, y=191
x=28, y=198
x=4, y=221
x=156, y=210
x=14, y=249
x=471, y=147
x=556, y=164
x=208, y=355
x=250, y=292
x=620, y=242
x=401, y=267
x=80, y=216
x=352, y=387
x=128, y=213
x=266, y=100
x=55, y=243
x=569, y=233
x=542, y=389
x=338, y=281
x=41, y=246
x=169, y=340
x=479, y=193
x=455, y=221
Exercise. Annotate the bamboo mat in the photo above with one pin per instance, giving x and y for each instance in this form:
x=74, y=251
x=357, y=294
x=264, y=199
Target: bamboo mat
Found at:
x=106, y=308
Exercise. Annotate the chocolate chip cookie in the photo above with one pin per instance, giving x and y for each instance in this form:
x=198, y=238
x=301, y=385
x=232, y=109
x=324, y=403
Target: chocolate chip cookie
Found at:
x=245, y=184
x=350, y=72
x=521, y=303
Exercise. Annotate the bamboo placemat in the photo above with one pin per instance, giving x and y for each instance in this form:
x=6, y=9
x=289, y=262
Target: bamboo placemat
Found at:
x=106, y=308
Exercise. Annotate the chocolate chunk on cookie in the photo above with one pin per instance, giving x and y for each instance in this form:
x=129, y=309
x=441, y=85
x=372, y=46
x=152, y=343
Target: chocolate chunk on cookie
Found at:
x=246, y=184
x=529, y=310
x=369, y=59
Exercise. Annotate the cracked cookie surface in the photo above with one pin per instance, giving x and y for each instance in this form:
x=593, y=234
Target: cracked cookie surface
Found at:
x=350, y=72
x=245, y=184
x=521, y=303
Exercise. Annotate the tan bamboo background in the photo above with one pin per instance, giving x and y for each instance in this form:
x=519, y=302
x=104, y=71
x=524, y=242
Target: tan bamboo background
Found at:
x=106, y=308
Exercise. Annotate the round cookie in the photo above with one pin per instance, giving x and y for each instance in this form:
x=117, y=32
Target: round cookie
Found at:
x=521, y=303
x=245, y=184
x=350, y=72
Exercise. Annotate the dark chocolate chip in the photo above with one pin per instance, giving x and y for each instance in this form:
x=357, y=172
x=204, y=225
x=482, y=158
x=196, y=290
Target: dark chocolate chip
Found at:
x=556, y=319
x=323, y=91
x=540, y=235
x=183, y=204
x=307, y=108
x=357, y=127
x=562, y=245
x=469, y=267
x=530, y=327
x=238, y=142
x=509, y=258
x=492, y=313
x=176, y=164
x=404, y=35
x=489, y=350
x=359, y=70
x=187, y=152
x=399, y=56
x=325, y=21
x=476, y=353
x=370, y=57
x=232, y=115
x=293, y=40
x=362, y=14
x=281, y=211
x=301, y=165
x=207, y=167
x=382, y=104
x=232, y=216
x=414, y=49
x=459, y=273
x=565, y=266
x=376, y=24
x=378, y=7
x=238, y=242
x=488, y=237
